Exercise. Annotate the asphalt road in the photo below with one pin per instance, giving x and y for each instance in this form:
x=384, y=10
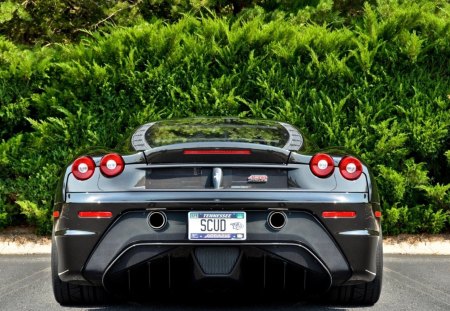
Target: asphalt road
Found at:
x=410, y=283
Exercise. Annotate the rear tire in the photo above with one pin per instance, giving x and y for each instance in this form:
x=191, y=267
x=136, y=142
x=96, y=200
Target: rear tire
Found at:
x=361, y=294
x=71, y=294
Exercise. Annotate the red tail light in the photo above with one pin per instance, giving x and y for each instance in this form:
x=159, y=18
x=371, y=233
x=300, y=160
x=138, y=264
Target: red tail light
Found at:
x=216, y=151
x=322, y=165
x=339, y=214
x=83, y=168
x=112, y=165
x=95, y=214
x=350, y=168
x=377, y=214
x=55, y=214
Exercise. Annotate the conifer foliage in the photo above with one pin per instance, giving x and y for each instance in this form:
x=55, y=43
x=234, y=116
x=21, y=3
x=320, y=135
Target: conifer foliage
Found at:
x=374, y=79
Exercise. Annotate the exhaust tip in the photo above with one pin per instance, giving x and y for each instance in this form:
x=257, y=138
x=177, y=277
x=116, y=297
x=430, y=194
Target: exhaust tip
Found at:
x=157, y=220
x=276, y=220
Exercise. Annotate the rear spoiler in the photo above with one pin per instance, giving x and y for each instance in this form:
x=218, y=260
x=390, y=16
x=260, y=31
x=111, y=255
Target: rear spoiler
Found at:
x=218, y=152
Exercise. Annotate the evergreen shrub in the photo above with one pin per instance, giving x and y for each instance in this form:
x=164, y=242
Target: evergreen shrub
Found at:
x=377, y=84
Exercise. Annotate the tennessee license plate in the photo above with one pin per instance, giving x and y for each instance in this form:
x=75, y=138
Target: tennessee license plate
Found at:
x=217, y=226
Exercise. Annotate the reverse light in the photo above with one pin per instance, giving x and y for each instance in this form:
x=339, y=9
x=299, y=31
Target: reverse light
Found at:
x=94, y=214
x=321, y=165
x=350, y=168
x=216, y=151
x=112, y=165
x=339, y=214
x=83, y=168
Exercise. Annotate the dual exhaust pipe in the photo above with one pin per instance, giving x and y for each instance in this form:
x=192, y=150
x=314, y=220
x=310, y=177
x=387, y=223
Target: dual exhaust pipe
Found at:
x=157, y=220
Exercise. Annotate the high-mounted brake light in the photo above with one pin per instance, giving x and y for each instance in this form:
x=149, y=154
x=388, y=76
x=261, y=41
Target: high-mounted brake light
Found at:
x=112, y=165
x=83, y=168
x=350, y=168
x=321, y=165
x=217, y=151
x=94, y=214
x=339, y=214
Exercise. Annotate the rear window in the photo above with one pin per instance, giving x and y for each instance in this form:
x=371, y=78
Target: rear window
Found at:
x=216, y=130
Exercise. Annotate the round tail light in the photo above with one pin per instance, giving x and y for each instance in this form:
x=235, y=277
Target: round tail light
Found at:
x=83, y=168
x=322, y=165
x=112, y=165
x=350, y=168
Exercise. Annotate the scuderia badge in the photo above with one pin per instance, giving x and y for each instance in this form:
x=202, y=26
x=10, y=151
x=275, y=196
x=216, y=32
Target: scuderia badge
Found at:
x=257, y=178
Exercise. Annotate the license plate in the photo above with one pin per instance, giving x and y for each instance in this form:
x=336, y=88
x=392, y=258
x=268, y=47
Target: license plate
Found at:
x=217, y=226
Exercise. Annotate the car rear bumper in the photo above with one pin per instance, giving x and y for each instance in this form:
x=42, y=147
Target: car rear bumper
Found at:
x=103, y=251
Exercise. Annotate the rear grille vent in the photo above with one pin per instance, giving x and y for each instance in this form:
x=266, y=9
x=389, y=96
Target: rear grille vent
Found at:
x=217, y=260
x=203, y=178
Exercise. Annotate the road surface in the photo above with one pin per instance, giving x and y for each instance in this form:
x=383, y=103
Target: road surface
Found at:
x=418, y=282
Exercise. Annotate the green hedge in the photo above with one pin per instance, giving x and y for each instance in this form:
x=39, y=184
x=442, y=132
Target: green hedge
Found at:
x=378, y=84
x=50, y=21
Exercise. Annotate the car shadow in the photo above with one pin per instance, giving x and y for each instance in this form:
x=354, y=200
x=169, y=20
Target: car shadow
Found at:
x=227, y=302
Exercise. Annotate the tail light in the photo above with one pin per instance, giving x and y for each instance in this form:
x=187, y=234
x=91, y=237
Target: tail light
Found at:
x=350, y=168
x=322, y=165
x=112, y=165
x=83, y=168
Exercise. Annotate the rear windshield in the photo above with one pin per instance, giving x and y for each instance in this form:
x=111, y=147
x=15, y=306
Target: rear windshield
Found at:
x=216, y=130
